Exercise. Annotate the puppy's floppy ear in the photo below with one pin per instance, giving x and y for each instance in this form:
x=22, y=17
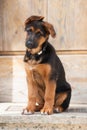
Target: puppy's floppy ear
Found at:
x=49, y=27
x=33, y=18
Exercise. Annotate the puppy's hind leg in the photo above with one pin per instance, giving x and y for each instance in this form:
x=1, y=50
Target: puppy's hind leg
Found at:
x=62, y=101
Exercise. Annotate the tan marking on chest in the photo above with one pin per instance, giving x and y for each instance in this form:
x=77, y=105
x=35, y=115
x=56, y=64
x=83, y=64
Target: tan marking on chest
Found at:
x=38, y=71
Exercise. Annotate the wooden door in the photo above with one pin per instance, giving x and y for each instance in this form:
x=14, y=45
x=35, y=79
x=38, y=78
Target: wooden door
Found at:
x=69, y=18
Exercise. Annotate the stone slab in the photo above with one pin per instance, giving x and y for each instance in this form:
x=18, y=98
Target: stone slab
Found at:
x=12, y=119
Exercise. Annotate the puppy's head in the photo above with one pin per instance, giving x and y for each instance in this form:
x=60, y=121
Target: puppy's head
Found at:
x=38, y=32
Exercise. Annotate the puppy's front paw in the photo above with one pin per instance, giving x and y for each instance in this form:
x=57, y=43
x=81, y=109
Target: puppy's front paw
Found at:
x=47, y=111
x=28, y=111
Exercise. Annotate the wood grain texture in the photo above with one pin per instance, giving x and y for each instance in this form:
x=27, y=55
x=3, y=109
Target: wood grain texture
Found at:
x=39, y=7
x=14, y=15
x=67, y=16
x=69, y=19
x=1, y=25
x=13, y=86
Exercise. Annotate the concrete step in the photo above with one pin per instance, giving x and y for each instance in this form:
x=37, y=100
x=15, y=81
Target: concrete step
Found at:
x=75, y=118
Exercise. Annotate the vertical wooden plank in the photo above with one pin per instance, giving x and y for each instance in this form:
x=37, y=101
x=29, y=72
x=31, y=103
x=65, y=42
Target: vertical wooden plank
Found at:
x=58, y=14
x=81, y=24
x=39, y=7
x=69, y=19
x=1, y=25
x=15, y=13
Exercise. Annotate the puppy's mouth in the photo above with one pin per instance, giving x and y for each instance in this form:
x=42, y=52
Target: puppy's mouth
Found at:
x=32, y=48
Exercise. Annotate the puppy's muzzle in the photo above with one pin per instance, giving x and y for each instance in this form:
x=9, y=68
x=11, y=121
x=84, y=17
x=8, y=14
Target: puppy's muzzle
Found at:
x=29, y=44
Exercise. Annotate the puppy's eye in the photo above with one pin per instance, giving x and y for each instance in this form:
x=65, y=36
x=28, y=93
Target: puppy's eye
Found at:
x=38, y=34
x=29, y=30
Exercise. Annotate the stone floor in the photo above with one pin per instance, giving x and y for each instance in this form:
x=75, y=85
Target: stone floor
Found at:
x=75, y=118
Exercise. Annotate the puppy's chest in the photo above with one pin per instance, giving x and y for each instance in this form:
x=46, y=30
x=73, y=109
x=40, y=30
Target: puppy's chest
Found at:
x=33, y=69
x=37, y=70
x=35, y=73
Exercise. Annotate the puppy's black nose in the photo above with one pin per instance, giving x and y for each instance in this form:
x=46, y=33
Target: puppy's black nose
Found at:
x=29, y=44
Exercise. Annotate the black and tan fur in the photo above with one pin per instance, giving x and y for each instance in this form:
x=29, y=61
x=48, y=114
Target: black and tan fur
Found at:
x=47, y=85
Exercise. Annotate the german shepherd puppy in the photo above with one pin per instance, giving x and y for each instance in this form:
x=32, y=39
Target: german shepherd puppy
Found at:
x=48, y=90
